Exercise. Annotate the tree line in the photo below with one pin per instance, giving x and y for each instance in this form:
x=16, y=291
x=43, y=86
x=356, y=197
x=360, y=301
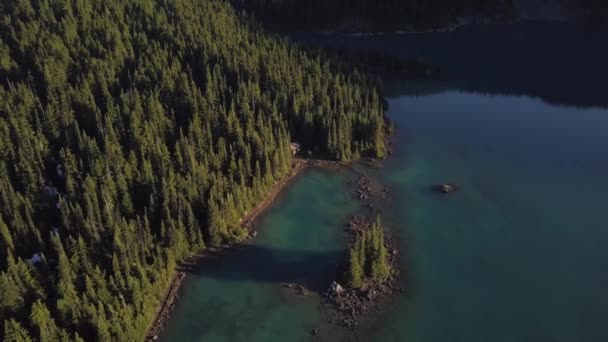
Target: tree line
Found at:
x=368, y=258
x=135, y=133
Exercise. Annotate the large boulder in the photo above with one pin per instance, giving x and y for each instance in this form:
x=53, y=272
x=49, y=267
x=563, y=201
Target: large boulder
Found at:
x=336, y=288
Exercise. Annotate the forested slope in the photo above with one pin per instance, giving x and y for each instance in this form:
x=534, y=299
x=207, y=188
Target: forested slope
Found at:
x=374, y=15
x=391, y=15
x=135, y=132
x=595, y=10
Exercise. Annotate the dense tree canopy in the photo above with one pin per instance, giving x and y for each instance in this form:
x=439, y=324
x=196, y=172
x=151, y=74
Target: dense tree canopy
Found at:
x=136, y=132
x=368, y=258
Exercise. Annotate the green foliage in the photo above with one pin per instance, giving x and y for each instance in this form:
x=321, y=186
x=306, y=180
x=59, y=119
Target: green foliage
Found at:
x=135, y=133
x=368, y=258
x=379, y=268
x=43, y=323
x=14, y=332
x=354, y=277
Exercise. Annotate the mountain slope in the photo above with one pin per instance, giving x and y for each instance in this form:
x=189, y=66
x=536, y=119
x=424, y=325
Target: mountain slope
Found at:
x=392, y=15
x=134, y=133
x=375, y=15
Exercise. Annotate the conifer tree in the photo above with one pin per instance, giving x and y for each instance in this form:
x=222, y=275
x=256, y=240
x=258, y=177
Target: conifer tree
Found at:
x=368, y=258
x=380, y=269
x=355, y=270
x=14, y=332
x=44, y=324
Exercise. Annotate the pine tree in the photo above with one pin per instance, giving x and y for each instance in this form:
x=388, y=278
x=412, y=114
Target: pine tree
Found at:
x=14, y=332
x=354, y=277
x=6, y=241
x=368, y=257
x=360, y=247
x=12, y=296
x=43, y=323
x=382, y=266
x=380, y=269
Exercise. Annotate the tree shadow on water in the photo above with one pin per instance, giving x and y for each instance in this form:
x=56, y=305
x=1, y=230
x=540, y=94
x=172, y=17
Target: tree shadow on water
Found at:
x=249, y=263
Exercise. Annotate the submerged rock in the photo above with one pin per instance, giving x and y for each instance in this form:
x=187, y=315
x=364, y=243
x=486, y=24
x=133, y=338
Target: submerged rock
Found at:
x=446, y=188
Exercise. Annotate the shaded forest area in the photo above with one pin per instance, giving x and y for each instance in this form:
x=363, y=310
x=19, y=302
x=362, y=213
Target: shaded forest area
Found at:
x=135, y=133
x=392, y=15
x=373, y=15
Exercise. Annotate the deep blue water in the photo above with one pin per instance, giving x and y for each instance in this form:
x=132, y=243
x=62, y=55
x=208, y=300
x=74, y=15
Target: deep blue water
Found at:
x=520, y=254
x=517, y=116
x=559, y=62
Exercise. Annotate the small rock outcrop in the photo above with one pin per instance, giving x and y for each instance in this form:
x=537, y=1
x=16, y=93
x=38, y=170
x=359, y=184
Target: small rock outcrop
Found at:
x=336, y=289
x=446, y=188
x=302, y=291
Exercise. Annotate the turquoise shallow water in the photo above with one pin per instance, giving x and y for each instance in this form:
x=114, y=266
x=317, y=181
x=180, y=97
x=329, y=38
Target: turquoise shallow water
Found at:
x=240, y=297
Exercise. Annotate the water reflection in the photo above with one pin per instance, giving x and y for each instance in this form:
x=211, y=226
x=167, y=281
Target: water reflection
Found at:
x=254, y=263
x=547, y=60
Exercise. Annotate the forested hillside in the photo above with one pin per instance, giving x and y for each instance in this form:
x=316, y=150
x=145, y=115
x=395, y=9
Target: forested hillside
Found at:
x=391, y=15
x=374, y=15
x=595, y=10
x=136, y=132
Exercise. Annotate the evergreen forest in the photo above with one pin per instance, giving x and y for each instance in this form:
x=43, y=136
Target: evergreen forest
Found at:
x=135, y=133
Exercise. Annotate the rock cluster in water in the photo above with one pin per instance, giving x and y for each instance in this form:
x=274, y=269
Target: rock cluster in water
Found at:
x=348, y=305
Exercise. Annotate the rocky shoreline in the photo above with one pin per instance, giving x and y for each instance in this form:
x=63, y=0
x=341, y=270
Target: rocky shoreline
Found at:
x=169, y=299
x=347, y=306
x=170, y=296
x=167, y=305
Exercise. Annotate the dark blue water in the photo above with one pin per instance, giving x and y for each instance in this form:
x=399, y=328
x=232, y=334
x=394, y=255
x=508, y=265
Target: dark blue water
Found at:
x=520, y=254
x=561, y=63
x=517, y=116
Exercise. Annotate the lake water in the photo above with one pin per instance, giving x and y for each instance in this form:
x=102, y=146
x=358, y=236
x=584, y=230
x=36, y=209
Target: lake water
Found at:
x=518, y=255
x=242, y=297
